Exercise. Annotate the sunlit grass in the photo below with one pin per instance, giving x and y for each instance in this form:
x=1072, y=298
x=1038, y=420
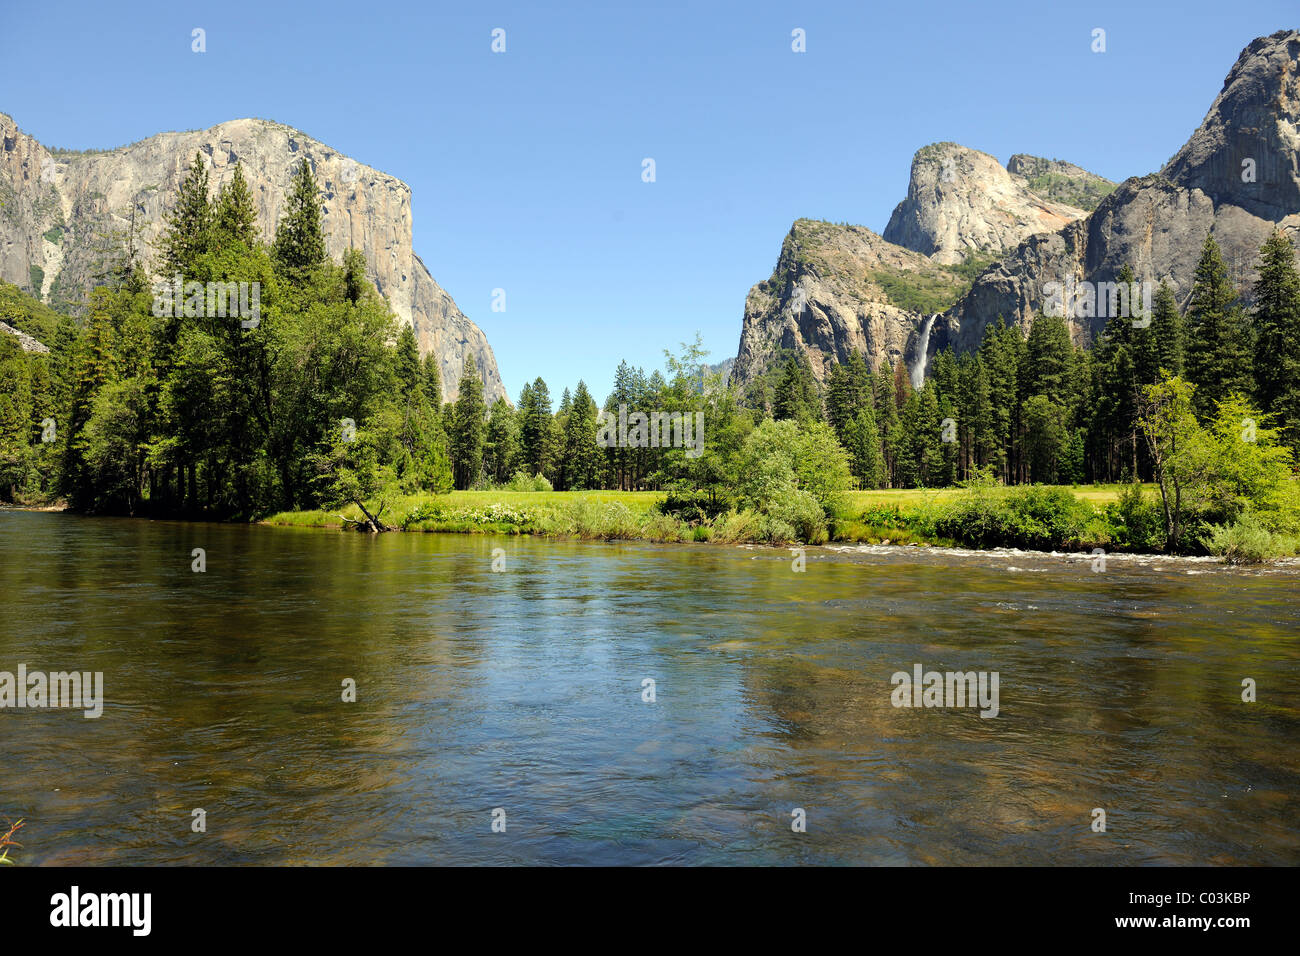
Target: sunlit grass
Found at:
x=899, y=516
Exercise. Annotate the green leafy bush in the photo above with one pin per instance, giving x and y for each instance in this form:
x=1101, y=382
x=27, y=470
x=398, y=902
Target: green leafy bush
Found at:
x=1136, y=521
x=1033, y=517
x=1248, y=541
x=693, y=507
x=522, y=481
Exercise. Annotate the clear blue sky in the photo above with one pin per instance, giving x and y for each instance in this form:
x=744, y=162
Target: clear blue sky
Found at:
x=525, y=166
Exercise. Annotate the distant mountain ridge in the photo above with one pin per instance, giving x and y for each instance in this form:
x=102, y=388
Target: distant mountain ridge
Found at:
x=975, y=240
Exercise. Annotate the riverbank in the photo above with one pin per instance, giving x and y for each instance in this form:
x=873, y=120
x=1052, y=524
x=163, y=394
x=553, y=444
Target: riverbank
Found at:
x=1115, y=519
x=891, y=516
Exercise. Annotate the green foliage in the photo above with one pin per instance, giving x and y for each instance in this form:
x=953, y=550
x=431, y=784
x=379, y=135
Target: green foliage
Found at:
x=523, y=481
x=1247, y=540
x=469, y=427
x=1215, y=474
x=1034, y=517
x=919, y=291
x=299, y=240
x=1079, y=192
x=794, y=477
x=1136, y=521
x=1218, y=335
x=1277, y=336
x=795, y=396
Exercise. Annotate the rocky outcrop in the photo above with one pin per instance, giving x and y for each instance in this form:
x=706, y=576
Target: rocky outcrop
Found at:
x=25, y=341
x=836, y=290
x=1156, y=224
x=1059, y=181
x=59, y=209
x=962, y=203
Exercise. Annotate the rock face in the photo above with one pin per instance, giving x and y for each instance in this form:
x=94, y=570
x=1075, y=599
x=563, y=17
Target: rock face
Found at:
x=961, y=202
x=1060, y=181
x=1238, y=176
x=836, y=290
x=25, y=341
x=58, y=208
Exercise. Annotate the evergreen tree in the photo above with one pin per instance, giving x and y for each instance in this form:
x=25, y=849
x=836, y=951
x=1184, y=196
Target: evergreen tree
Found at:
x=795, y=396
x=1277, y=342
x=1218, y=347
x=581, y=454
x=470, y=426
x=235, y=215
x=1167, y=325
x=1048, y=358
x=862, y=441
x=535, y=439
x=501, y=442
x=299, y=240
x=432, y=379
x=188, y=227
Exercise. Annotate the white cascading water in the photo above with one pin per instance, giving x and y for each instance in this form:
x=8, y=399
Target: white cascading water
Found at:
x=922, y=352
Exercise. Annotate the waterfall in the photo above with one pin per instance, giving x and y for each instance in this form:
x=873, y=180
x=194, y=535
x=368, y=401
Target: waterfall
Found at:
x=922, y=352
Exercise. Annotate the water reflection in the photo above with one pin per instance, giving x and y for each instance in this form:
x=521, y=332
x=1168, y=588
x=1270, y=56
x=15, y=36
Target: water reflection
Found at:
x=522, y=690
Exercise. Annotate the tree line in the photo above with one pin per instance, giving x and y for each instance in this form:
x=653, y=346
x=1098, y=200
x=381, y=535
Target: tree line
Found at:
x=326, y=400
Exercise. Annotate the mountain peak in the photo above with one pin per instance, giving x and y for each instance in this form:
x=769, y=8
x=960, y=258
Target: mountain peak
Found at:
x=1245, y=152
x=963, y=203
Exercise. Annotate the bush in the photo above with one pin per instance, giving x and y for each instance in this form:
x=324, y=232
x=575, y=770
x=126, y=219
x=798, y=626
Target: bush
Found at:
x=522, y=481
x=693, y=507
x=1137, y=521
x=795, y=516
x=794, y=477
x=1248, y=541
x=1033, y=517
x=736, y=526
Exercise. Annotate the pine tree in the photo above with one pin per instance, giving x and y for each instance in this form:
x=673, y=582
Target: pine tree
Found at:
x=999, y=357
x=795, y=396
x=1048, y=358
x=1218, y=350
x=862, y=442
x=299, y=241
x=535, y=438
x=501, y=442
x=235, y=216
x=1167, y=325
x=581, y=454
x=407, y=362
x=188, y=227
x=1277, y=343
x=467, y=435
x=432, y=380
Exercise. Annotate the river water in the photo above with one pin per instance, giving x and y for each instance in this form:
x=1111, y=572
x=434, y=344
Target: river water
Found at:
x=522, y=691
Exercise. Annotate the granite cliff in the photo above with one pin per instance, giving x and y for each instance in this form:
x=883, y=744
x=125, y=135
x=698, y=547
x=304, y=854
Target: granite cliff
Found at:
x=59, y=206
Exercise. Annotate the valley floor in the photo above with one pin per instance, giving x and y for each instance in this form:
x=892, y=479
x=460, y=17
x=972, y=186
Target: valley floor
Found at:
x=869, y=517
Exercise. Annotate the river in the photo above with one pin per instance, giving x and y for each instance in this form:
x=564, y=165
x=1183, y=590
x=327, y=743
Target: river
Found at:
x=519, y=695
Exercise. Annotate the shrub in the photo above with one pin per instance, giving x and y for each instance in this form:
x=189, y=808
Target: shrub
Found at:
x=1136, y=521
x=1032, y=517
x=522, y=481
x=736, y=526
x=1248, y=541
x=692, y=507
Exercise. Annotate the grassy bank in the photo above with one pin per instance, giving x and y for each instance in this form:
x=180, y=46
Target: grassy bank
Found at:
x=898, y=516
